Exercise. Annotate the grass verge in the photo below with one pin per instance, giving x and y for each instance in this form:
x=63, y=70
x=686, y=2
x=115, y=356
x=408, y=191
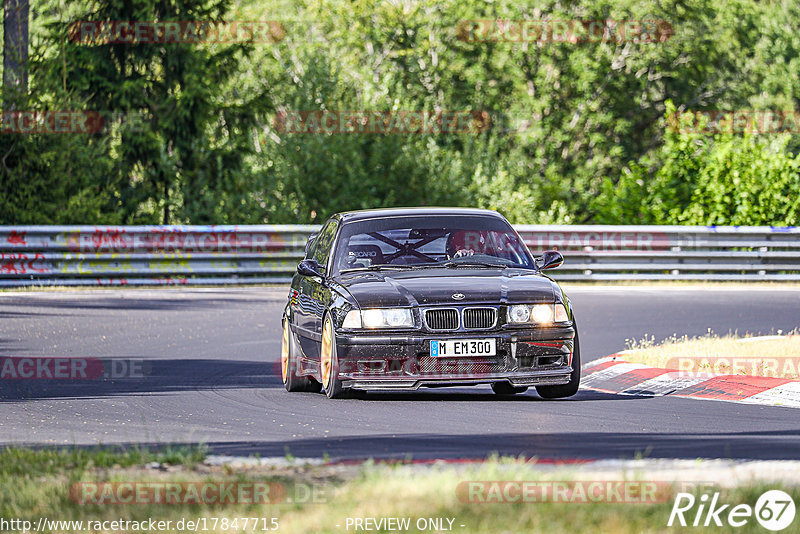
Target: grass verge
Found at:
x=768, y=356
x=328, y=498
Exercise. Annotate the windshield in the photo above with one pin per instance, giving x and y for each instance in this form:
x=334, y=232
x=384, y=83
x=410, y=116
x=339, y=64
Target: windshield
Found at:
x=408, y=242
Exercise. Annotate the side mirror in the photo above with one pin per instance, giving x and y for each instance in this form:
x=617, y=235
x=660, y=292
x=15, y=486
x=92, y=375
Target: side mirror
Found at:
x=310, y=242
x=550, y=260
x=309, y=268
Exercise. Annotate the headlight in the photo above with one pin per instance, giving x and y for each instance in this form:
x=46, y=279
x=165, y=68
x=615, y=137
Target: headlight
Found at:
x=379, y=318
x=352, y=319
x=519, y=313
x=537, y=314
x=542, y=313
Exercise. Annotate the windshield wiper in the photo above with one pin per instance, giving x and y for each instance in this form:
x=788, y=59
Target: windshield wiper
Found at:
x=474, y=263
x=379, y=267
x=411, y=266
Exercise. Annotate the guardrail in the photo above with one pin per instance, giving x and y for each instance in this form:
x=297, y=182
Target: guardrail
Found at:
x=178, y=255
x=741, y=253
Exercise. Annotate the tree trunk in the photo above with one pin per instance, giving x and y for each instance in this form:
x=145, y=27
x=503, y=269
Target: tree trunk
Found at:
x=166, y=202
x=15, y=51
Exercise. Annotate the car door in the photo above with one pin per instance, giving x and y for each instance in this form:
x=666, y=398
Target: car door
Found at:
x=313, y=295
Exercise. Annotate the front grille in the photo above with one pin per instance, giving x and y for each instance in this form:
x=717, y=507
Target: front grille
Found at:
x=444, y=319
x=479, y=318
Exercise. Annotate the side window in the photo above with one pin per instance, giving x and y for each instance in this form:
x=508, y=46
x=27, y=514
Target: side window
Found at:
x=310, y=247
x=324, y=242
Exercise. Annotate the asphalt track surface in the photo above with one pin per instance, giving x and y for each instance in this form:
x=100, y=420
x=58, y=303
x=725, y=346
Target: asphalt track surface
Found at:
x=211, y=377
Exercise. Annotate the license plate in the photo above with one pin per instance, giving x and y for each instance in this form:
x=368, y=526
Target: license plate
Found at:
x=464, y=347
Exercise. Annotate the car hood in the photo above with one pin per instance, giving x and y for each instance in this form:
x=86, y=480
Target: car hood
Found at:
x=425, y=287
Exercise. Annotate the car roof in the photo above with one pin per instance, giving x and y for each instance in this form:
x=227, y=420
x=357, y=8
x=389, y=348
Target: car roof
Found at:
x=360, y=215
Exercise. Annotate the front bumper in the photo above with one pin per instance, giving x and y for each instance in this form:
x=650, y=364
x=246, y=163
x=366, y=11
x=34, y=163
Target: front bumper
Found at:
x=524, y=357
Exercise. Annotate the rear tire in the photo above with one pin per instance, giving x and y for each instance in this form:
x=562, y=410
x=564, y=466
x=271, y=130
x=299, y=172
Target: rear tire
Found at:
x=329, y=362
x=570, y=388
x=505, y=388
x=290, y=366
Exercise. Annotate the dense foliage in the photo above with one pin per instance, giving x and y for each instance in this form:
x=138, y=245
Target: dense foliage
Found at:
x=579, y=132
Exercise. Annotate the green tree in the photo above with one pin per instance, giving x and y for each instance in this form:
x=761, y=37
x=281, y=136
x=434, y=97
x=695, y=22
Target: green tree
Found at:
x=185, y=161
x=708, y=179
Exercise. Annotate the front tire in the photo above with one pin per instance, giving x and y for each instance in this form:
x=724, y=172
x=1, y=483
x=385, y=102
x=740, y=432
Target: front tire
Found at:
x=290, y=366
x=570, y=388
x=329, y=362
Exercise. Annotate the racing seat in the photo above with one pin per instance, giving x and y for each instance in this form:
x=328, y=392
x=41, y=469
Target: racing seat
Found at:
x=363, y=256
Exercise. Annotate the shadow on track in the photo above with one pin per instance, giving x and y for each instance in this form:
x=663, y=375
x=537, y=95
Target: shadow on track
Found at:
x=782, y=444
x=170, y=376
x=485, y=395
x=158, y=376
x=569, y=446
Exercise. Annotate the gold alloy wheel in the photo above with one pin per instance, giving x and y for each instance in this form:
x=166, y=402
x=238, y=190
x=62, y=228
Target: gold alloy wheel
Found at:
x=285, y=352
x=326, y=364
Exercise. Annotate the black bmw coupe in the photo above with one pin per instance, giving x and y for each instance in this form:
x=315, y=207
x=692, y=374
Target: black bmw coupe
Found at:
x=402, y=298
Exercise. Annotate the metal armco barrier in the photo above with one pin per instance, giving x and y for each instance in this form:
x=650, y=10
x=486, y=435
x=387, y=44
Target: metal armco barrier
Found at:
x=758, y=253
x=178, y=255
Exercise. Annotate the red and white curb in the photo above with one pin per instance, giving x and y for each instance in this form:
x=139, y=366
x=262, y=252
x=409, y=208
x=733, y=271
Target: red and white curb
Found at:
x=613, y=375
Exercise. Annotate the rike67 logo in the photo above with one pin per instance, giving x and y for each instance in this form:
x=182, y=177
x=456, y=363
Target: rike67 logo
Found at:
x=774, y=510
